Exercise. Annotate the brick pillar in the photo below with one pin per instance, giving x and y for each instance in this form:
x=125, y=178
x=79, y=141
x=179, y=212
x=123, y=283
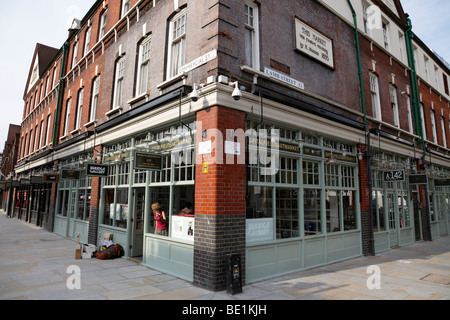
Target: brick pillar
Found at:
x=219, y=198
x=95, y=203
x=366, y=223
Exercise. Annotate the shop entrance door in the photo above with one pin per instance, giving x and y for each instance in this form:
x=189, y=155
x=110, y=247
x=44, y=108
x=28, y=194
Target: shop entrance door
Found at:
x=71, y=214
x=393, y=220
x=138, y=222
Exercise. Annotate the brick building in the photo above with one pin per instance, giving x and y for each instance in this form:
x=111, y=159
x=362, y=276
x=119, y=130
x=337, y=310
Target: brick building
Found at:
x=263, y=130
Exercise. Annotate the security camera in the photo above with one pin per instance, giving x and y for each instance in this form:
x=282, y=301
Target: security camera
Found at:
x=237, y=95
x=194, y=96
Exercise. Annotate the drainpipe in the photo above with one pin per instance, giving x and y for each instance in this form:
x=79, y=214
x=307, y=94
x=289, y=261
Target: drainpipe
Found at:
x=60, y=92
x=367, y=133
x=409, y=35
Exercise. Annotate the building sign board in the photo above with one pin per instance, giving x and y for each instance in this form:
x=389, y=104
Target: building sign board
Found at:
x=313, y=43
x=442, y=182
x=393, y=176
x=51, y=178
x=284, y=78
x=418, y=179
x=97, y=170
x=198, y=62
x=70, y=174
x=148, y=161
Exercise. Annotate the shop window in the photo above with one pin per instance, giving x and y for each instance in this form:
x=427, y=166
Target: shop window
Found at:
x=311, y=207
x=259, y=214
x=116, y=207
x=287, y=223
x=287, y=172
x=349, y=208
x=403, y=210
x=311, y=173
x=183, y=222
x=332, y=200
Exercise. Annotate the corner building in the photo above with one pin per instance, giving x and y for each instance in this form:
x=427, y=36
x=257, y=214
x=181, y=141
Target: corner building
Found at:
x=247, y=121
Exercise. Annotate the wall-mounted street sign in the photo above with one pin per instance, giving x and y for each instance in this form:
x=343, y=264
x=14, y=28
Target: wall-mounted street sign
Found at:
x=394, y=176
x=442, y=182
x=147, y=161
x=70, y=174
x=50, y=178
x=96, y=170
x=418, y=179
x=25, y=182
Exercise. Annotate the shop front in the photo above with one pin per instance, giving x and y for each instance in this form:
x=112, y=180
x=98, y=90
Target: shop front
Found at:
x=155, y=166
x=305, y=213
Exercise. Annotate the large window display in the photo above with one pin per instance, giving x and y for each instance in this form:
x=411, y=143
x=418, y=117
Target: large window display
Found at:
x=306, y=195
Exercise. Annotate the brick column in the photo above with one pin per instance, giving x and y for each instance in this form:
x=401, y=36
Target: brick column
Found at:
x=95, y=203
x=366, y=197
x=219, y=198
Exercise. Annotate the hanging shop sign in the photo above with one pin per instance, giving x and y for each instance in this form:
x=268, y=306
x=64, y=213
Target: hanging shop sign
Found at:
x=418, y=179
x=313, y=43
x=70, y=174
x=442, y=182
x=50, y=178
x=394, y=176
x=25, y=182
x=340, y=157
x=147, y=161
x=97, y=170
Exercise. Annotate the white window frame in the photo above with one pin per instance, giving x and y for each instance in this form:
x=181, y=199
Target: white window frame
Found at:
x=41, y=134
x=126, y=5
x=251, y=38
x=177, y=43
x=47, y=134
x=74, y=54
x=386, y=36
x=365, y=7
x=54, y=78
x=79, y=108
x=375, y=95
x=87, y=40
x=444, y=136
x=143, y=67
x=394, y=105
x=66, y=123
x=94, y=102
x=422, y=116
x=433, y=125
x=103, y=19
x=410, y=121
x=118, y=83
x=426, y=69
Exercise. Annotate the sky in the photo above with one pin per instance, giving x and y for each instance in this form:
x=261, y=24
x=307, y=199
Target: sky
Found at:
x=23, y=23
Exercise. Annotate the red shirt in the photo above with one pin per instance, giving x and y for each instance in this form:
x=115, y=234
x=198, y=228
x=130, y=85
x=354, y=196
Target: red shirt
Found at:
x=160, y=224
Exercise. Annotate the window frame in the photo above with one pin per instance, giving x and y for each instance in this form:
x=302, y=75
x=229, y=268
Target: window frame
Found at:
x=253, y=29
x=143, y=59
x=119, y=75
x=177, y=42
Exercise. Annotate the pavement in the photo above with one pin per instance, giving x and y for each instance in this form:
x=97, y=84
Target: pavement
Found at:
x=35, y=265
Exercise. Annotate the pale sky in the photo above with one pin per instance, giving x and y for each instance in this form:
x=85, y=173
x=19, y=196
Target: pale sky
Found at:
x=27, y=22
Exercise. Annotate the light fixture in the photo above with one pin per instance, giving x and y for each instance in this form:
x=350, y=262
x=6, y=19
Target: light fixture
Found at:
x=299, y=140
x=119, y=159
x=237, y=94
x=194, y=96
x=331, y=160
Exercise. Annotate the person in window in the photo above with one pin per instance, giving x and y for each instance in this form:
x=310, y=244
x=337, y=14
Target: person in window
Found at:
x=187, y=211
x=161, y=220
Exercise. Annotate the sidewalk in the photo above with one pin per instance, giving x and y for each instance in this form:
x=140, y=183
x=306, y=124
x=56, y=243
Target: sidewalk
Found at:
x=34, y=266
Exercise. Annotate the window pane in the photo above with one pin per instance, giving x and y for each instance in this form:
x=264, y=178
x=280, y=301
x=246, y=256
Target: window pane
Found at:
x=348, y=203
x=311, y=205
x=287, y=213
x=332, y=198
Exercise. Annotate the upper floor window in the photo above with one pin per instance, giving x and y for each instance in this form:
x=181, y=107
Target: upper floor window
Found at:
x=54, y=78
x=79, y=110
x=94, y=99
x=177, y=41
x=66, y=122
x=365, y=8
x=410, y=121
x=47, y=133
x=425, y=65
x=87, y=40
x=144, y=61
x=118, y=83
x=375, y=95
x=394, y=105
x=422, y=117
x=74, y=54
x=385, y=26
x=433, y=125
x=102, y=30
x=444, y=136
x=251, y=35
x=125, y=7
